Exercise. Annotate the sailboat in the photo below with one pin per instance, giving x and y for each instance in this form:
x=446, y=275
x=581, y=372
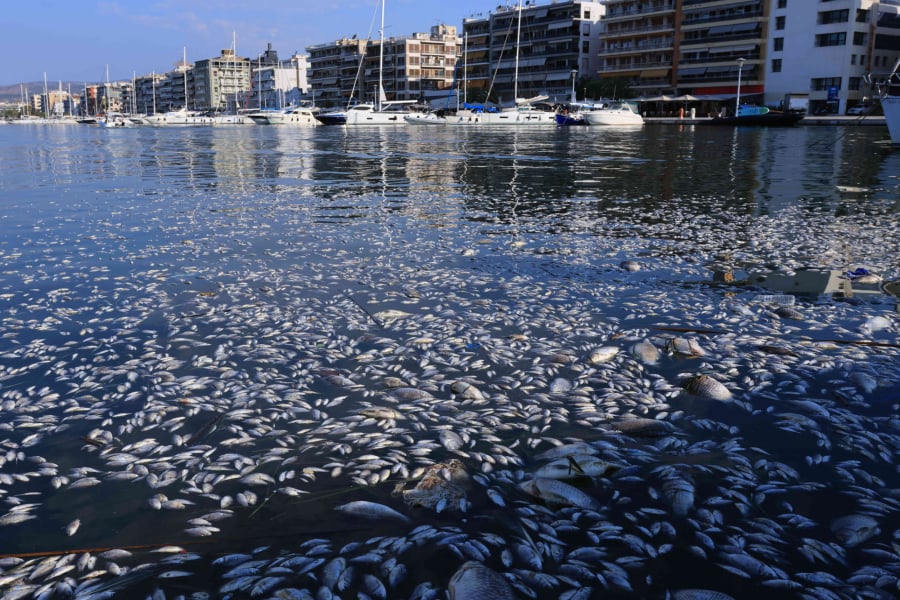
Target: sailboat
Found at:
x=524, y=112
x=380, y=112
x=182, y=116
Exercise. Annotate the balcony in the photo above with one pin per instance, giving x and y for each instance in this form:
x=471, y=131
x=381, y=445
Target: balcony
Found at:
x=636, y=48
x=614, y=13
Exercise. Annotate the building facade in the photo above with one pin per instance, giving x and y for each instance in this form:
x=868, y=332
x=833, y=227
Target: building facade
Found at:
x=830, y=51
x=823, y=50
x=334, y=70
x=222, y=84
x=277, y=83
x=419, y=67
x=535, y=50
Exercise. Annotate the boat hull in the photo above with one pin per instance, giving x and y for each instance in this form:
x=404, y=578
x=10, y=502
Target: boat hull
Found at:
x=891, y=107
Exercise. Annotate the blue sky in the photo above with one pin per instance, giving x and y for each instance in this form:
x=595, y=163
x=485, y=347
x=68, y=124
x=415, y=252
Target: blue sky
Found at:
x=74, y=40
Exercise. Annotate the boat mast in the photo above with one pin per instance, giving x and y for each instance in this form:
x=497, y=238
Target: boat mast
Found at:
x=153, y=91
x=465, y=71
x=184, y=74
x=516, y=73
x=380, y=60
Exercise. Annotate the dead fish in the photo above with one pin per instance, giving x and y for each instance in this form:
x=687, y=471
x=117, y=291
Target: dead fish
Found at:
x=775, y=350
x=371, y=510
x=680, y=493
x=474, y=580
x=630, y=265
x=559, y=493
x=380, y=412
x=464, y=389
x=390, y=315
x=853, y=530
x=788, y=312
x=575, y=466
x=685, y=348
x=566, y=450
x=72, y=527
x=645, y=352
x=642, y=427
x=707, y=387
x=602, y=354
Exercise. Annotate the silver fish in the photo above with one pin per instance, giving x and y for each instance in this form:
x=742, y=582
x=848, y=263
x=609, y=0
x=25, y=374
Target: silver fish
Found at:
x=474, y=580
x=852, y=530
x=559, y=493
x=371, y=510
x=706, y=387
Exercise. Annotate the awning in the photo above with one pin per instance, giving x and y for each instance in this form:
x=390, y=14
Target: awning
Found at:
x=654, y=73
x=559, y=25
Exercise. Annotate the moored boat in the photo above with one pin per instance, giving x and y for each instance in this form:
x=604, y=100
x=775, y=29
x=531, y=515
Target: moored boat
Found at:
x=890, y=103
x=617, y=113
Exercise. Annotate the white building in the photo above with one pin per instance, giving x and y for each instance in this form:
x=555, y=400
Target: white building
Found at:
x=278, y=83
x=829, y=50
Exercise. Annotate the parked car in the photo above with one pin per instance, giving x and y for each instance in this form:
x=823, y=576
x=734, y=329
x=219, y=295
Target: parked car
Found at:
x=860, y=109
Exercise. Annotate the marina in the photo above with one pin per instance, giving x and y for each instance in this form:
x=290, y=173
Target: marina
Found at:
x=414, y=362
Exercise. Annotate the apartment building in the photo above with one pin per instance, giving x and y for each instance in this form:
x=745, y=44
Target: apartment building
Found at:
x=823, y=49
x=416, y=67
x=537, y=50
x=830, y=50
x=276, y=83
x=221, y=83
x=334, y=70
x=685, y=46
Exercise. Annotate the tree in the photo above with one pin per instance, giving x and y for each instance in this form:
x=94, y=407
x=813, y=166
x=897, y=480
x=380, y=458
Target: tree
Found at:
x=606, y=87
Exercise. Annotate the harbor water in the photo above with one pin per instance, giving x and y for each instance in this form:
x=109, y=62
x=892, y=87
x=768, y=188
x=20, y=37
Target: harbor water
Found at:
x=266, y=362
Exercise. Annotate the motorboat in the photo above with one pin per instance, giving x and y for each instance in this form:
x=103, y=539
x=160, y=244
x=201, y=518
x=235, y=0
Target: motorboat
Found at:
x=232, y=119
x=332, y=117
x=617, y=113
x=889, y=94
x=758, y=116
x=115, y=119
x=181, y=116
x=295, y=116
x=387, y=113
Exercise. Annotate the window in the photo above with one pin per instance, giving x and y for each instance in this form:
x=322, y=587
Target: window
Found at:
x=834, y=16
x=776, y=65
x=852, y=59
x=778, y=44
x=862, y=15
x=782, y=4
x=821, y=84
x=832, y=39
x=854, y=83
x=779, y=23
x=859, y=38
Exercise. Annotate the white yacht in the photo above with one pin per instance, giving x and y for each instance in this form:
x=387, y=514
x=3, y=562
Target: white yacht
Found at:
x=178, y=117
x=295, y=116
x=617, y=113
x=890, y=104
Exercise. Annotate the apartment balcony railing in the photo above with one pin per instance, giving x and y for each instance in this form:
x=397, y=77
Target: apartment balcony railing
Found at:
x=730, y=57
x=638, y=30
x=614, y=49
x=691, y=20
x=622, y=12
x=635, y=65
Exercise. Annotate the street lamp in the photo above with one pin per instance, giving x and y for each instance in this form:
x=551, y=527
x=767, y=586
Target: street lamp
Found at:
x=574, y=98
x=737, y=101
